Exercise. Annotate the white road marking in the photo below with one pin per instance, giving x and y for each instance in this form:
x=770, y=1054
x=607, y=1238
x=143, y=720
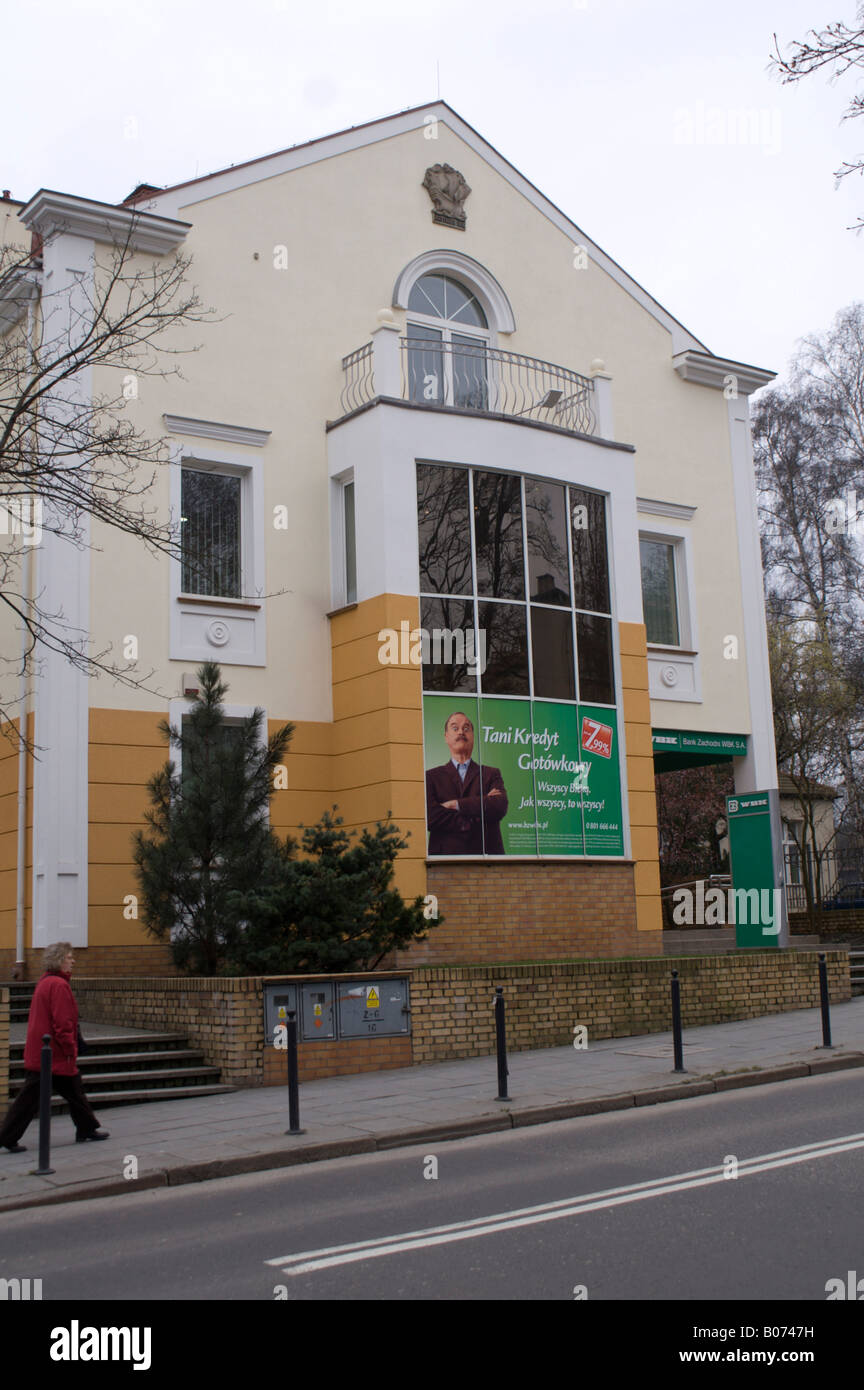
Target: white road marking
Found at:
x=307, y=1261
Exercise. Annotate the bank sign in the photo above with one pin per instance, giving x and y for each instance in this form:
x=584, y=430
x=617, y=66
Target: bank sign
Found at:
x=521, y=777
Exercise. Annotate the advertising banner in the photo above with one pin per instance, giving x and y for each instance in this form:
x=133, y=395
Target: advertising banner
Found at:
x=521, y=777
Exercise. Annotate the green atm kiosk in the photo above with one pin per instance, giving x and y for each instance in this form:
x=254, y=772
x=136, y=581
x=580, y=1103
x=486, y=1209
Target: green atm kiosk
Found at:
x=756, y=855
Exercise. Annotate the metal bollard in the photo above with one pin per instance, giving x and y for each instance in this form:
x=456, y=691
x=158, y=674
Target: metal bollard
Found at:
x=293, y=1078
x=676, y=1023
x=500, y=1044
x=44, y=1109
x=824, y=1000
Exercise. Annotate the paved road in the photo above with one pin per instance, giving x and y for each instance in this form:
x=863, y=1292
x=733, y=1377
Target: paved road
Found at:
x=644, y=1211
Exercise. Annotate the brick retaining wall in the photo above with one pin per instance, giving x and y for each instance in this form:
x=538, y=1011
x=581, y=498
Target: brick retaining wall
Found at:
x=452, y=1008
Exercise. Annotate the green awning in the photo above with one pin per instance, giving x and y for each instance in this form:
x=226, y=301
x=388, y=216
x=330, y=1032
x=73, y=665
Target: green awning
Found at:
x=678, y=748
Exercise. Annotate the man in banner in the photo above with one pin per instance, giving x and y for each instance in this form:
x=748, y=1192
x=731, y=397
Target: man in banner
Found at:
x=464, y=802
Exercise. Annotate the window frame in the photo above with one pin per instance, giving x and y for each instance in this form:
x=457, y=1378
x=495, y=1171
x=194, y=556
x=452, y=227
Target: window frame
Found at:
x=447, y=327
x=679, y=540
x=233, y=611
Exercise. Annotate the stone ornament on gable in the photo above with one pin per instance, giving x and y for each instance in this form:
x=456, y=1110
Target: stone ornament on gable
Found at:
x=448, y=191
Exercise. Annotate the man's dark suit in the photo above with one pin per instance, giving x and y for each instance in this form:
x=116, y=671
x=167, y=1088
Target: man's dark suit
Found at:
x=463, y=831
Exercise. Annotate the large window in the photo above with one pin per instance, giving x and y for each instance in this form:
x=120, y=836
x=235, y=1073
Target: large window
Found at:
x=660, y=592
x=446, y=364
x=520, y=567
x=211, y=538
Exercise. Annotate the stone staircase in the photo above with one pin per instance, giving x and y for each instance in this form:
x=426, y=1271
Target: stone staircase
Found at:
x=122, y=1069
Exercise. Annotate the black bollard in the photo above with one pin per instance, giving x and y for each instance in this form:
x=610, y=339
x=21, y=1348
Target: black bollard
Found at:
x=293, y=1079
x=44, y=1109
x=501, y=1044
x=676, y=1023
x=823, y=996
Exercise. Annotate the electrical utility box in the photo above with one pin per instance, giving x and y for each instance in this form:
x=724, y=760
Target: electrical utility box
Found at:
x=373, y=1008
x=278, y=999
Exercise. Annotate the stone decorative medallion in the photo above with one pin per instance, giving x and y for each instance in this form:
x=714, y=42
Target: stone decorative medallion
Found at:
x=448, y=191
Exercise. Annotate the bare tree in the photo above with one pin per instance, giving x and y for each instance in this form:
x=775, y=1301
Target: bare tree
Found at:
x=67, y=455
x=809, y=450
x=838, y=47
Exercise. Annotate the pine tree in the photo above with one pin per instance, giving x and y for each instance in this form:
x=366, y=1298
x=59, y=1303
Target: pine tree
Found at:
x=210, y=840
x=334, y=910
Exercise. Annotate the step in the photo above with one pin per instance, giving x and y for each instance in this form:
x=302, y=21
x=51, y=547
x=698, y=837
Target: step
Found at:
x=156, y=1079
x=144, y=1062
x=139, y=1097
x=128, y=1043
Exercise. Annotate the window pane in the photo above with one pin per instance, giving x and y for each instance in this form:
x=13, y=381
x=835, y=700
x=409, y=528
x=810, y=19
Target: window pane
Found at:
x=210, y=504
x=450, y=660
x=461, y=306
x=552, y=654
x=502, y=628
x=498, y=535
x=659, y=599
x=425, y=364
x=546, y=515
x=469, y=372
x=594, y=649
x=427, y=296
x=445, y=539
x=590, y=566
x=350, y=545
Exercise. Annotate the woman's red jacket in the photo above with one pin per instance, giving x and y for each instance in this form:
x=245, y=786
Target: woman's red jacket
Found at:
x=53, y=1010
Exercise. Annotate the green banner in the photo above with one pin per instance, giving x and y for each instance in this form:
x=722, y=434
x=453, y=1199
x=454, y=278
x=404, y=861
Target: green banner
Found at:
x=684, y=741
x=512, y=777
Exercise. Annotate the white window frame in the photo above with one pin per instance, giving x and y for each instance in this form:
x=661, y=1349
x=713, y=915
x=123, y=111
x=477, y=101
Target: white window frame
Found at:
x=683, y=657
x=339, y=542
x=447, y=327
x=252, y=559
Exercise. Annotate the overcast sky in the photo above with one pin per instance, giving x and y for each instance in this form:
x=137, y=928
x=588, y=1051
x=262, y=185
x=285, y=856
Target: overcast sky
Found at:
x=656, y=125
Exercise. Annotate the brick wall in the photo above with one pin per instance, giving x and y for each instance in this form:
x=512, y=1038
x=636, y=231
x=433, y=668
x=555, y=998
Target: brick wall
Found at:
x=453, y=1016
x=844, y=925
x=144, y=959
x=225, y=1018
x=4, y=1049
x=452, y=1013
x=495, y=911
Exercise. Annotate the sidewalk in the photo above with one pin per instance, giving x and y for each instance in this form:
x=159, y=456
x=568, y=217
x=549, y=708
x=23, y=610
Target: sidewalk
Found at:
x=184, y=1141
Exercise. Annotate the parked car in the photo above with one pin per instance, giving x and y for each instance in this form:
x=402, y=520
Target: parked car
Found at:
x=850, y=895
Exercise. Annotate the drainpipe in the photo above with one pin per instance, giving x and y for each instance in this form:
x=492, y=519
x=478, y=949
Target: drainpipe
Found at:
x=20, y=969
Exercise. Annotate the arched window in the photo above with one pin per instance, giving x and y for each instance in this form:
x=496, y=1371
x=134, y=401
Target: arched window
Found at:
x=446, y=364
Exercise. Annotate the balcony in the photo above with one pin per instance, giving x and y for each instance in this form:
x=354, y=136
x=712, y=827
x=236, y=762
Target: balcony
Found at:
x=462, y=377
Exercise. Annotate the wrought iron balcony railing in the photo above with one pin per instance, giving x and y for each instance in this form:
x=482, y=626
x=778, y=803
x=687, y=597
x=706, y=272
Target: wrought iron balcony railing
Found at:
x=472, y=377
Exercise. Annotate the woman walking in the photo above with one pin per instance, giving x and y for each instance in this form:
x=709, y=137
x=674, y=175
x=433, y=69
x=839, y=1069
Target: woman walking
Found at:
x=54, y=1011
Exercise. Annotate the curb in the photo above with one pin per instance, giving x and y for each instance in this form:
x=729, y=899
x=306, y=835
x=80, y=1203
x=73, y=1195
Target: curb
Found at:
x=213, y=1169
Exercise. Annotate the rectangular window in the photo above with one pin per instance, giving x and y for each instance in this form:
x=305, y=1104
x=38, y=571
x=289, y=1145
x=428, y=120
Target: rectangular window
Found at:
x=425, y=364
x=445, y=531
x=536, y=574
x=211, y=521
x=350, y=543
x=659, y=592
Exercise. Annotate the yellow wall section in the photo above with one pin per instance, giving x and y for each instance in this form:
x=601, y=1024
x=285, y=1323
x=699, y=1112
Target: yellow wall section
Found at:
x=9, y=836
x=378, y=730
x=640, y=775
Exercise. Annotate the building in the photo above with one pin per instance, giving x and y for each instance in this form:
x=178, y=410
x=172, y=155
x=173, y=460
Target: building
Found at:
x=428, y=400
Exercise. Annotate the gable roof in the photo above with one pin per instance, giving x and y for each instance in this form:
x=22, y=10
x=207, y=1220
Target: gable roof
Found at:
x=170, y=200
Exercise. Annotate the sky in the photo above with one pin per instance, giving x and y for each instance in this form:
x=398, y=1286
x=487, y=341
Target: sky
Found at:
x=656, y=125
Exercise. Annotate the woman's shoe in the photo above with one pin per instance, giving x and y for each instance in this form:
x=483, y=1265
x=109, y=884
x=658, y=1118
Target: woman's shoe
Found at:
x=97, y=1134
x=16, y=1148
